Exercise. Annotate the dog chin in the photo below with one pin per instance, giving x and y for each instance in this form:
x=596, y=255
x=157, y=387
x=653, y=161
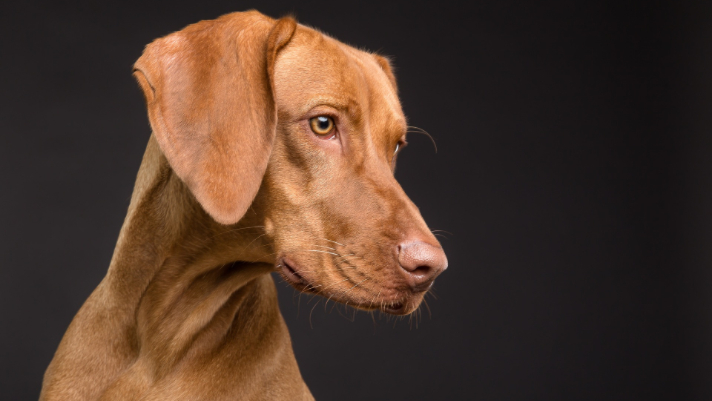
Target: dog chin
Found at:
x=403, y=305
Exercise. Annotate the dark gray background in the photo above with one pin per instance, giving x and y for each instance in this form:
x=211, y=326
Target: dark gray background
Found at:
x=574, y=172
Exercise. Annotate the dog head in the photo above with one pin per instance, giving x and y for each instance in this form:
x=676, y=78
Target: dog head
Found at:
x=304, y=130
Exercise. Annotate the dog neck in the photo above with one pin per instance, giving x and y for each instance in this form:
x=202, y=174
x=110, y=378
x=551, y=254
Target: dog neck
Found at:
x=167, y=233
x=182, y=272
x=184, y=297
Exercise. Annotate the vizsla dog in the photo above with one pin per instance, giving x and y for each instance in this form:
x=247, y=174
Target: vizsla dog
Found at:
x=273, y=148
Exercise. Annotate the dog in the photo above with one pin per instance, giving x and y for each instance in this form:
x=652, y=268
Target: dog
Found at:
x=273, y=147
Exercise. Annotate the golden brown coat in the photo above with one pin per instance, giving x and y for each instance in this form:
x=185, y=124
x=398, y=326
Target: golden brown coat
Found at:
x=234, y=185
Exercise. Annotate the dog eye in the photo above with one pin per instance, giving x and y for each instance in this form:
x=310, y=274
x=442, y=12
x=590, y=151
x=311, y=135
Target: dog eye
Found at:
x=322, y=125
x=399, y=146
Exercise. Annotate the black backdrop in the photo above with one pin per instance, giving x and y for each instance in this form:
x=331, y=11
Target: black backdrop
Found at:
x=573, y=172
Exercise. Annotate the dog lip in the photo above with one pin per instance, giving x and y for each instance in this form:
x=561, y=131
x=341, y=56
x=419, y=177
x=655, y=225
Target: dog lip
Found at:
x=291, y=273
x=423, y=287
x=397, y=308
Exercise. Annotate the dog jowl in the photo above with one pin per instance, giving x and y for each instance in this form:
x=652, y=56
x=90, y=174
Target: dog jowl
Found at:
x=273, y=148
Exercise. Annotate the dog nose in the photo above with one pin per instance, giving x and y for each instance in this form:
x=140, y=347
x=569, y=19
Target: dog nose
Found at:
x=421, y=263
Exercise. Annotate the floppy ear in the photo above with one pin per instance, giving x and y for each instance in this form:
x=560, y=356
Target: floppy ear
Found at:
x=210, y=102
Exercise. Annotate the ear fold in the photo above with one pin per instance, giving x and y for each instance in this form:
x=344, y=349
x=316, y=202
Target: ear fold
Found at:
x=210, y=102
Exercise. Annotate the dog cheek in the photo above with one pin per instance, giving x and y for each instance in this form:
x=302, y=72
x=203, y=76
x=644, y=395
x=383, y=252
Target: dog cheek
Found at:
x=269, y=227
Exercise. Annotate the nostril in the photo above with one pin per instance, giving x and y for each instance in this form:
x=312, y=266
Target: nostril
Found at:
x=421, y=270
x=421, y=263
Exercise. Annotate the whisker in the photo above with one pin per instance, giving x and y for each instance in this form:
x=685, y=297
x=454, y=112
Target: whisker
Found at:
x=430, y=314
x=327, y=247
x=232, y=230
x=299, y=302
x=331, y=285
x=424, y=132
x=328, y=240
x=344, y=257
x=374, y=298
x=310, y=314
x=357, y=284
x=316, y=250
x=252, y=242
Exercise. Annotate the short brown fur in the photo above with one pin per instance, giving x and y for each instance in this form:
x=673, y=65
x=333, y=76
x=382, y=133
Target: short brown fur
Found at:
x=233, y=185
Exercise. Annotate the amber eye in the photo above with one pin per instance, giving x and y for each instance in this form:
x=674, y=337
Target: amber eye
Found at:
x=322, y=125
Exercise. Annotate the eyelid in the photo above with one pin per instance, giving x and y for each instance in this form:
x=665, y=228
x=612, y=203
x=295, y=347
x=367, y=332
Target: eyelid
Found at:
x=399, y=147
x=328, y=102
x=323, y=110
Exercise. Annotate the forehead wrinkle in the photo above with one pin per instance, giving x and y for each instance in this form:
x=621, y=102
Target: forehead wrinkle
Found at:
x=385, y=87
x=313, y=71
x=352, y=71
x=383, y=99
x=346, y=103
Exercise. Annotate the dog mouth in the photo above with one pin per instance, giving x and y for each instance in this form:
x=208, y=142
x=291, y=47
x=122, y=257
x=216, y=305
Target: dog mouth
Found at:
x=291, y=274
x=395, y=308
x=290, y=271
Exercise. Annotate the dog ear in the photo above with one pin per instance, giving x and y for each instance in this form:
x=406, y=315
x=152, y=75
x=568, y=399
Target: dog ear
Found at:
x=210, y=103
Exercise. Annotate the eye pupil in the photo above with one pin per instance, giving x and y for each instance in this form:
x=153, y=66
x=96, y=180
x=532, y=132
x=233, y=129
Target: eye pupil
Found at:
x=322, y=125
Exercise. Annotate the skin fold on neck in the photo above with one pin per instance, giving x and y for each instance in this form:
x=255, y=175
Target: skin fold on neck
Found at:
x=183, y=295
